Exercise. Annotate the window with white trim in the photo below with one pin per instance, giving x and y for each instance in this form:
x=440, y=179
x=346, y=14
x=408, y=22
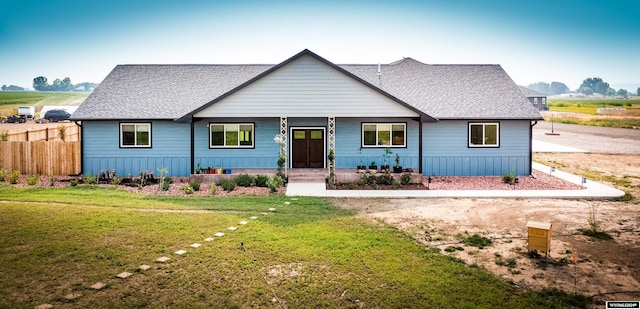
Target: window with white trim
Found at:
x=231, y=135
x=384, y=135
x=484, y=134
x=133, y=135
x=535, y=101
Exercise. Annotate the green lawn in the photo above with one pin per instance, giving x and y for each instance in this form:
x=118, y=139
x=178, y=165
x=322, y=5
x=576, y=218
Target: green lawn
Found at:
x=13, y=99
x=308, y=253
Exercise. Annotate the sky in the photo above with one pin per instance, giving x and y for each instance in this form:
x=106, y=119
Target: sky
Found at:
x=534, y=41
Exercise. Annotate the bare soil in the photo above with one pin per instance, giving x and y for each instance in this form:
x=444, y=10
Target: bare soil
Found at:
x=605, y=269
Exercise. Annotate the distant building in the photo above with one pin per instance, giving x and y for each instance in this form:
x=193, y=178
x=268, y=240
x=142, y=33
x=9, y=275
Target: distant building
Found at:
x=538, y=99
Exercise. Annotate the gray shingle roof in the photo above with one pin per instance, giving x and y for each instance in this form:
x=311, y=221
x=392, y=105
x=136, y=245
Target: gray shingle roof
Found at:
x=440, y=91
x=530, y=93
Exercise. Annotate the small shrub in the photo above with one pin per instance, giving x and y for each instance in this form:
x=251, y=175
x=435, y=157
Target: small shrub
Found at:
x=396, y=185
x=435, y=250
x=244, y=180
x=116, y=180
x=73, y=182
x=195, y=185
x=474, y=240
x=261, y=181
x=165, y=184
x=405, y=179
x=367, y=179
x=228, y=185
x=4, y=136
x=52, y=180
x=510, y=262
x=274, y=183
x=90, y=179
x=453, y=249
x=3, y=174
x=33, y=179
x=509, y=178
x=213, y=188
x=187, y=190
x=13, y=177
x=385, y=178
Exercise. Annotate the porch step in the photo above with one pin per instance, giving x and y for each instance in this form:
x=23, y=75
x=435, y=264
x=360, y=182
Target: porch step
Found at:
x=307, y=178
x=307, y=175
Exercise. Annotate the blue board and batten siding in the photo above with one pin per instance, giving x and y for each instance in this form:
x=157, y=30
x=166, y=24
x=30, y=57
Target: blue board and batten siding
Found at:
x=170, y=148
x=446, y=151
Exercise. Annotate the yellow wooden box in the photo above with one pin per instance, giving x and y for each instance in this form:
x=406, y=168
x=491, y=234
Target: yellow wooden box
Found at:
x=539, y=237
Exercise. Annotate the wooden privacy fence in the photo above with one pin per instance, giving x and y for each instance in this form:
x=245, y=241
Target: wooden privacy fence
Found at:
x=42, y=157
x=71, y=133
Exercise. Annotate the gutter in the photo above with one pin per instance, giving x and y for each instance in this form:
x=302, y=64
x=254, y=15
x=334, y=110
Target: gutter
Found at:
x=533, y=123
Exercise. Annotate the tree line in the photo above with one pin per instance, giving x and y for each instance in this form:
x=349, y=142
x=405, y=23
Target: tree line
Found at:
x=589, y=86
x=11, y=88
x=41, y=83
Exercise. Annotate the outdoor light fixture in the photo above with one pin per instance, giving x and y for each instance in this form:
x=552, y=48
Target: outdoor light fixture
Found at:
x=552, y=169
x=584, y=181
x=428, y=183
x=515, y=181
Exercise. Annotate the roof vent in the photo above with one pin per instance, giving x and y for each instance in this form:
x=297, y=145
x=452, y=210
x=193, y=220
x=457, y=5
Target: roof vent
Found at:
x=379, y=77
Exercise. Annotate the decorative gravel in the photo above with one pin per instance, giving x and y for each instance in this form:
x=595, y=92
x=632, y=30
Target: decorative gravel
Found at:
x=541, y=181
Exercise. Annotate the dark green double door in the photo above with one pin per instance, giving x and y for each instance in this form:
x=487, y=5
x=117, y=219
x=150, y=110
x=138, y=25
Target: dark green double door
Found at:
x=307, y=148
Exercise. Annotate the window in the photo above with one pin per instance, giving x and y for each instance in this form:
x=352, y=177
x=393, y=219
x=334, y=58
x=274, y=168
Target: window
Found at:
x=384, y=134
x=135, y=135
x=484, y=134
x=544, y=101
x=231, y=135
x=535, y=101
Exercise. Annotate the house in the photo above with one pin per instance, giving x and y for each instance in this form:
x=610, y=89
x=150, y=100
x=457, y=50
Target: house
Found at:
x=538, y=99
x=440, y=119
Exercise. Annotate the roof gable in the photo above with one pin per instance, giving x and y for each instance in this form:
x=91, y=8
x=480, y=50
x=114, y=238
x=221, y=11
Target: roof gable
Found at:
x=307, y=86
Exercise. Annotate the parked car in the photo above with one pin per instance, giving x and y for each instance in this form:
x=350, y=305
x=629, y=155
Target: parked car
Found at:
x=56, y=115
x=14, y=119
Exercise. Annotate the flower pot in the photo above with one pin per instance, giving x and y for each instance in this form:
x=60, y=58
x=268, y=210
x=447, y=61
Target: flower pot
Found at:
x=228, y=171
x=397, y=169
x=219, y=171
x=373, y=168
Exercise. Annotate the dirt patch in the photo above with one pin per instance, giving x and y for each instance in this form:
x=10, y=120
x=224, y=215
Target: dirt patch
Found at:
x=607, y=270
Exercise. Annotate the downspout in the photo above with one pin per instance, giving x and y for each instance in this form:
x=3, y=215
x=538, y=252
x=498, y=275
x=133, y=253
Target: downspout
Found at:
x=81, y=149
x=531, y=147
x=192, y=149
x=420, y=145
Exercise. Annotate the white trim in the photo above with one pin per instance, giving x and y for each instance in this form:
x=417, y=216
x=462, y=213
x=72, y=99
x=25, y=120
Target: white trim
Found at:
x=391, y=145
x=324, y=144
x=224, y=124
x=135, y=134
x=484, y=124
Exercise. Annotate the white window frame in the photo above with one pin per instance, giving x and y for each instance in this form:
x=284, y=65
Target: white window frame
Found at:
x=484, y=125
x=225, y=146
x=135, y=135
x=378, y=124
x=535, y=101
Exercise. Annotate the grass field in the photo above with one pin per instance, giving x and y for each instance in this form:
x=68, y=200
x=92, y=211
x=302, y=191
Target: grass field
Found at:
x=585, y=112
x=10, y=100
x=308, y=253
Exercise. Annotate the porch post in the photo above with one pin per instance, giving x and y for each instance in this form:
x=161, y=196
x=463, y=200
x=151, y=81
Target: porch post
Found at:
x=331, y=141
x=283, y=135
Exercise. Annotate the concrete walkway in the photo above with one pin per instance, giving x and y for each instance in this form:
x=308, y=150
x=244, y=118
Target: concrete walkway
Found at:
x=540, y=146
x=593, y=190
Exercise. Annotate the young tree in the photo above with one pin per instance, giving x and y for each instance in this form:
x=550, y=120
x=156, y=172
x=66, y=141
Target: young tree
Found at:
x=595, y=84
x=40, y=83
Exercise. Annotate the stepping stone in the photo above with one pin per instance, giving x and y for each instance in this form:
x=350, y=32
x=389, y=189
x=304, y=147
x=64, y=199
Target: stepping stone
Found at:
x=232, y=228
x=208, y=239
x=218, y=234
x=180, y=252
x=264, y=213
x=45, y=306
x=294, y=199
x=243, y=222
x=144, y=267
x=98, y=286
x=123, y=275
x=253, y=218
x=287, y=203
x=272, y=209
x=71, y=296
x=162, y=259
x=195, y=245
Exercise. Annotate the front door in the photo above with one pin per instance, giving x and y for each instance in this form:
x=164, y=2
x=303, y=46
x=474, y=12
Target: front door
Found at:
x=307, y=148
